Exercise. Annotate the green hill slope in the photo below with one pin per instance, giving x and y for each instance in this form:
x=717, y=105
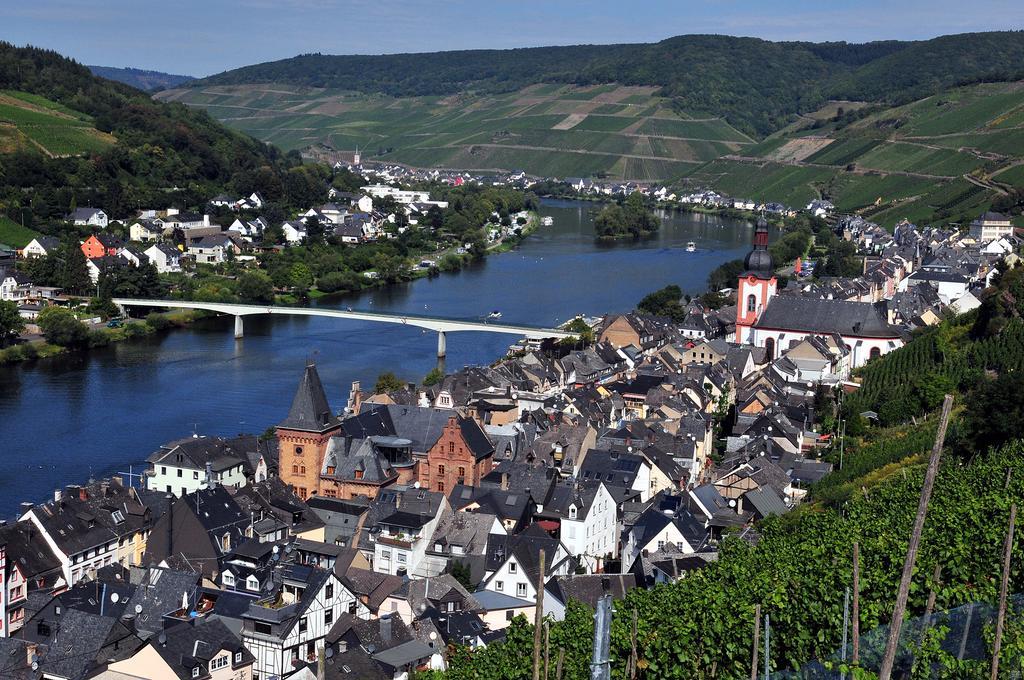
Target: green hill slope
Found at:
x=754, y=84
x=942, y=158
x=68, y=136
x=552, y=130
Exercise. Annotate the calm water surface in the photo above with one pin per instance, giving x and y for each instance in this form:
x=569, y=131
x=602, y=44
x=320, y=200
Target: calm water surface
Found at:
x=92, y=414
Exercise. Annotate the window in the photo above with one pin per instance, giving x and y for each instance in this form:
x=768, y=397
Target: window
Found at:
x=238, y=657
x=227, y=579
x=329, y=591
x=179, y=472
x=572, y=512
x=302, y=492
x=385, y=555
x=521, y=589
x=875, y=353
x=328, y=617
x=303, y=625
x=302, y=469
x=751, y=303
x=163, y=469
x=219, y=662
x=359, y=474
x=440, y=487
x=298, y=450
x=330, y=469
x=400, y=557
x=262, y=628
x=195, y=474
x=195, y=672
x=295, y=469
x=462, y=471
x=499, y=586
x=661, y=544
x=440, y=469
x=512, y=567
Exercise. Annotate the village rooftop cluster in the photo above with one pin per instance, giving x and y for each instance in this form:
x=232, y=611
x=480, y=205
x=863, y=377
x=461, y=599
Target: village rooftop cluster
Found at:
x=378, y=535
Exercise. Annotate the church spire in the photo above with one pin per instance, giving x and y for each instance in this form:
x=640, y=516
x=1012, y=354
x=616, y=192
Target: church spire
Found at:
x=759, y=260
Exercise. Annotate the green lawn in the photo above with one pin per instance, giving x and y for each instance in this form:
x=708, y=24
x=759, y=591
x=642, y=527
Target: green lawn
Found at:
x=13, y=234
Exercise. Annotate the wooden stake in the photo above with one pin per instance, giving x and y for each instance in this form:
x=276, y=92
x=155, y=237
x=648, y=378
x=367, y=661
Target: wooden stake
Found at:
x=558, y=663
x=757, y=636
x=547, y=648
x=896, y=624
x=538, y=618
x=856, y=603
x=1004, y=586
x=633, y=657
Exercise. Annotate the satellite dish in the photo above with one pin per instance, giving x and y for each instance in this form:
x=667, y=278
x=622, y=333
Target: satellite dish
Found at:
x=732, y=502
x=416, y=485
x=114, y=597
x=433, y=635
x=329, y=653
x=138, y=609
x=162, y=639
x=277, y=549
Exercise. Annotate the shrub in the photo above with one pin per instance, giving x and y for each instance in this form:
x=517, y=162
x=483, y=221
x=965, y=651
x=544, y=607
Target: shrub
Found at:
x=61, y=327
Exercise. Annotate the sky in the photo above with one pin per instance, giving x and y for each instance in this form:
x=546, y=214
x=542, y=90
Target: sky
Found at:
x=202, y=37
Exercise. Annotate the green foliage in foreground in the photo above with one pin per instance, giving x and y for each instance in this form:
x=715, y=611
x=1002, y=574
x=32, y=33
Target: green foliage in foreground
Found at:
x=701, y=626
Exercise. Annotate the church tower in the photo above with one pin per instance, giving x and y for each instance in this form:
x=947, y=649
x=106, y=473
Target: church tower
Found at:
x=303, y=436
x=757, y=284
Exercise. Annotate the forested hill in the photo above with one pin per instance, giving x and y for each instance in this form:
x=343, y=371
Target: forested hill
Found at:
x=150, y=81
x=148, y=152
x=754, y=84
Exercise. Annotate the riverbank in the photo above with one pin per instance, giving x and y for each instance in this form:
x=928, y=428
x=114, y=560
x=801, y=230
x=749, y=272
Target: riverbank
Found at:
x=102, y=336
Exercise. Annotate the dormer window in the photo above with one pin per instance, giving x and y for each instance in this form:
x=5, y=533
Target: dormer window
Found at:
x=238, y=657
x=572, y=512
x=359, y=474
x=195, y=672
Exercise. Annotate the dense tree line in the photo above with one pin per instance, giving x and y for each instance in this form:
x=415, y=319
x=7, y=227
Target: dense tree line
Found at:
x=631, y=218
x=755, y=84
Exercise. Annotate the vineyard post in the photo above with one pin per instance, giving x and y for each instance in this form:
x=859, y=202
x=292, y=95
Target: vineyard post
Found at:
x=547, y=648
x=856, y=603
x=896, y=625
x=558, y=663
x=757, y=636
x=1004, y=586
x=767, y=650
x=846, y=626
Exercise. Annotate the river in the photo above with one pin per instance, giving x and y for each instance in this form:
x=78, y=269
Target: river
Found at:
x=91, y=414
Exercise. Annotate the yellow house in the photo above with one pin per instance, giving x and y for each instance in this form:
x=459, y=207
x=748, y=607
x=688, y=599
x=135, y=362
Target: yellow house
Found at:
x=205, y=651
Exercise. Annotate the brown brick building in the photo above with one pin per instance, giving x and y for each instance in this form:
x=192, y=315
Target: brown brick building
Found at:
x=304, y=435
x=462, y=454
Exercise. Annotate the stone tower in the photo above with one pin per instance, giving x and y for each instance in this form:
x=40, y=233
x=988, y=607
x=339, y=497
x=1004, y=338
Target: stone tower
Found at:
x=303, y=436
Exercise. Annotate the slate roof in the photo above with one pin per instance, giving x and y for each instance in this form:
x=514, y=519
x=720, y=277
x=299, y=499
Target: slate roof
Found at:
x=589, y=588
x=28, y=550
x=85, y=516
x=810, y=315
x=526, y=548
x=421, y=425
x=310, y=411
x=159, y=592
x=14, y=660
x=350, y=456
x=195, y=452
x=74, y=649
x=186, y=646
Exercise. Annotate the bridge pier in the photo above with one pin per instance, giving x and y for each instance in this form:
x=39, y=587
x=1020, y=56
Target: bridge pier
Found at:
x=442, y=348
x=239, y=327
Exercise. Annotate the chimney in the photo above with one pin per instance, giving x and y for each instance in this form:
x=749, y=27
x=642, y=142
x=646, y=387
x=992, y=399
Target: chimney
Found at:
x=385, y=629
x=57, y=495
x=83, y=495
x=206, y=220
x=342, y=646
x=209, y=475
x=25, y=507
x=30, y=651
x=504, y=481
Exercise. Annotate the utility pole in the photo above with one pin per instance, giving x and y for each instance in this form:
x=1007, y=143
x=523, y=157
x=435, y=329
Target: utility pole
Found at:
x=757, y=636
x=600, y=666
x=889, y=659
x=538, y=618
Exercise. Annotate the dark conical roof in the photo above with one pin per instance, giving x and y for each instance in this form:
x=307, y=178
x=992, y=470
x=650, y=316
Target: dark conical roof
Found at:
x=759, y=260
x=310, y=411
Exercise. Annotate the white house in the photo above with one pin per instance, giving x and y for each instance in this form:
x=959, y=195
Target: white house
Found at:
x=513, y=564
x=287, y=628
x=401, y=546
x=294, y=231
x=14, y=286
x=41, y=246
x=146, y=230
x=212, y=249
x=164, y=257
x=190, y=464
x=589, y=528
x=92, y=217
x=991, y=226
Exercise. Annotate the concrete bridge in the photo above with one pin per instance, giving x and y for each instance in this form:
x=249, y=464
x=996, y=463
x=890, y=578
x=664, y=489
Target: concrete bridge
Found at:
x=441, y=326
